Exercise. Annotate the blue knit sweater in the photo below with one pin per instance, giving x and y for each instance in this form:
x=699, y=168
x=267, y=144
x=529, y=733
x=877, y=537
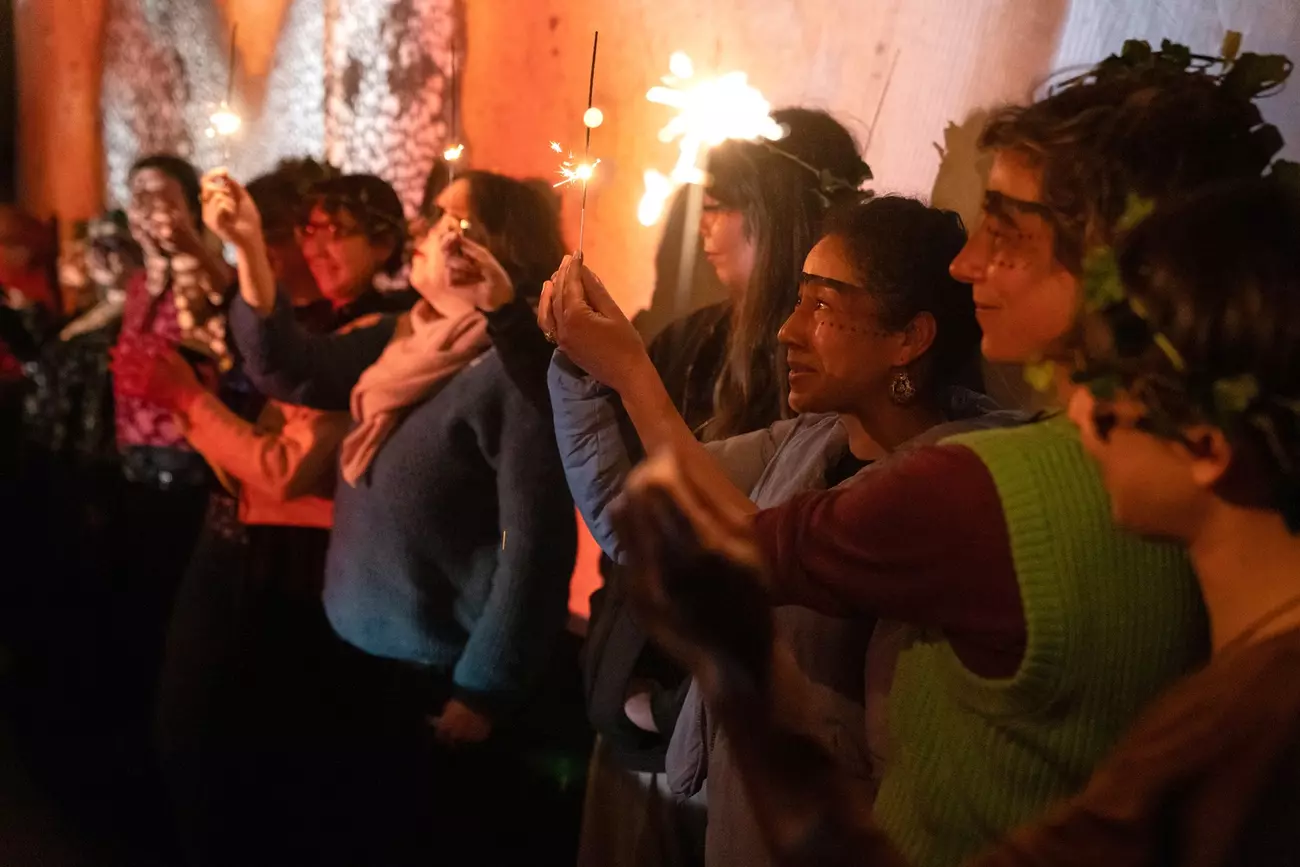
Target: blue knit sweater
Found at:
x=454, y=550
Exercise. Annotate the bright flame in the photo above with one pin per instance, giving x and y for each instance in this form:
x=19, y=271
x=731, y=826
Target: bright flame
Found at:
x=709, y=112
x=658, y=188
x=593, y=117
x=225, y=122
x=573, y=172
x=453, y=153
x=680, y=65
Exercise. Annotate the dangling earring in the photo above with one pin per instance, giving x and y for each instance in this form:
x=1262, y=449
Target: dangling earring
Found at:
x=901, y=389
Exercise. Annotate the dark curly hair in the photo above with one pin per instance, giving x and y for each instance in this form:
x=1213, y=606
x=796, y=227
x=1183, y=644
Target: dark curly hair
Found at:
x=373, y=203
x=778, y=187
x=900, y=250
x=180, y=171
x=520, y=224
x=1153, y=131
x=281, y=193
x=1217, y=274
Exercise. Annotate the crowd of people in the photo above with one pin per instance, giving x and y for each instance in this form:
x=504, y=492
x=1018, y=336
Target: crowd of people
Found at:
x=298, y=525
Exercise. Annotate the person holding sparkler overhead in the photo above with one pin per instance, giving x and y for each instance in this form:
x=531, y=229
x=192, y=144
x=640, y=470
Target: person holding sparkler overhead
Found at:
x=454, y=536
x=722, y=367
x=1038, y=631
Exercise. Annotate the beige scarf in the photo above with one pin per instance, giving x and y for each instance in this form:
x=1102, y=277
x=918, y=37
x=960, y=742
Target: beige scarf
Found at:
x=430, y=346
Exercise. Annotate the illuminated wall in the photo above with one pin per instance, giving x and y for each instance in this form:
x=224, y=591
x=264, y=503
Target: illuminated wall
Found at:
x=526, y=81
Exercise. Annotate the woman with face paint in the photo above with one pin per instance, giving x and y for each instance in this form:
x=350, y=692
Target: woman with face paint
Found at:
x=723, y=368
x=1047, y=629
x=880, y=345
x=1191, y=410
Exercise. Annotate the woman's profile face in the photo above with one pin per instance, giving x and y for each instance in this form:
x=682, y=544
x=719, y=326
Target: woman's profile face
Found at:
x=1026, y=301
x=839, y=356
x=430, y=268
x=727, y=245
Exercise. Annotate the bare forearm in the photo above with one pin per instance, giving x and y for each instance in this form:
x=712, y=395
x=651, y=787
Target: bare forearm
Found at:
x=661, y=429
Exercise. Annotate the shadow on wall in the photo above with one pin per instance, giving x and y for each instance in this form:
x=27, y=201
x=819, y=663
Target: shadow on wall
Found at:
x=959, y=186
x=705, y=288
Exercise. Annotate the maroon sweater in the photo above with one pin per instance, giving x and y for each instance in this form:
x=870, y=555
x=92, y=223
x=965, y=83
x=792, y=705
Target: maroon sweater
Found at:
x=921, y=541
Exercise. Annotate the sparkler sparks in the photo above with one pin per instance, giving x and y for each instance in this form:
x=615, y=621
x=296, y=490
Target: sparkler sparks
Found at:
x=709, y=112
x=224, y=122
x=452, y=154
x=572, y=172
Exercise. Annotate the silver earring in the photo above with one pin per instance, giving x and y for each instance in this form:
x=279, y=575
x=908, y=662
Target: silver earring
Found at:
x=901, y=389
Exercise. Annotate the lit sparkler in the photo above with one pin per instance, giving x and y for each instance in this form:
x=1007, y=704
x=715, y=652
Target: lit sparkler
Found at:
x=225, y=122
x=709, y=112
x=572, y=171
x=453, y=153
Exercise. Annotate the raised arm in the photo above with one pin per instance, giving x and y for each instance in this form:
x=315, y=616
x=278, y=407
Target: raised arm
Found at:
x=593, y=332
x=287, y=362
x=282, y=359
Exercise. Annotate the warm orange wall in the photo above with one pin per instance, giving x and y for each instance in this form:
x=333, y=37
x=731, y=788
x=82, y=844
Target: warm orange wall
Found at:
x=60, y=167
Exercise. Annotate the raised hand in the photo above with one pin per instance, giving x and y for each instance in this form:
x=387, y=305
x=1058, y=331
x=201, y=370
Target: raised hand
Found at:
x=578, y=312
x=487, y=285
x=229, y=211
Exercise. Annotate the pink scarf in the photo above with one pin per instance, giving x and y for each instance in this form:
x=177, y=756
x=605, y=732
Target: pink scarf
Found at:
x=429, y=347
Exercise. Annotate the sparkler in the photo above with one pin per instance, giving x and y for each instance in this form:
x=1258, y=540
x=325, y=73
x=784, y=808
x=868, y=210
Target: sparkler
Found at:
x=709, y=112
x=453, y=152
x=571, y=171
x=224, y=121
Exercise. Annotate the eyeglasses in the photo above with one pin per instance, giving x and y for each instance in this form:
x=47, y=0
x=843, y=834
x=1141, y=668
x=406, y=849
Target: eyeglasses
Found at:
x=330, y=231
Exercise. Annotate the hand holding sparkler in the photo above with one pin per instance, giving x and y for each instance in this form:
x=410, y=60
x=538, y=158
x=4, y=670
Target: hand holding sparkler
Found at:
x=582, y=172
x=590, y=328
x=485, y=283
x=224, y=122
x=229, y=211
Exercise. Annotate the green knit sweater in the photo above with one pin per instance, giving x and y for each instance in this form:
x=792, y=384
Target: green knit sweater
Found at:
x=1111, y=619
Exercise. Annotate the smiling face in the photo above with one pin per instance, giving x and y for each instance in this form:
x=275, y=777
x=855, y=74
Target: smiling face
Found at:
x=727, y=245
x=840, y=357
x=342, y=259
x=1026, y=301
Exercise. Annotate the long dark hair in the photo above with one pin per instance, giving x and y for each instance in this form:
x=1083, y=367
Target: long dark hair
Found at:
x=900, y=250
x=783, y=189
x=520, y=225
